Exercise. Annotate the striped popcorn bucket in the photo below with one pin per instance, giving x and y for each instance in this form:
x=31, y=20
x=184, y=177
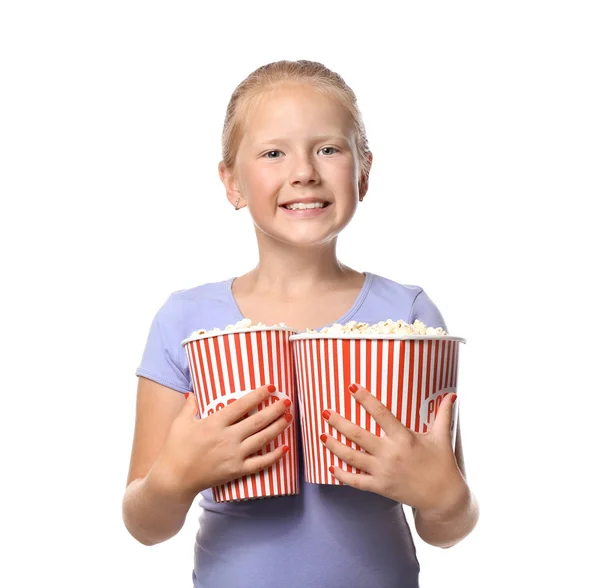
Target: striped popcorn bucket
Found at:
x=410, y=375
x=225, y=367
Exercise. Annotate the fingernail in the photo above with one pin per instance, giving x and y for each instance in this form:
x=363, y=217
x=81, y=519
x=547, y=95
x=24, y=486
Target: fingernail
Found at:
x=324, y=438
x=186, y=395
x=331, y=469
x=287, y=402
x=454, y=398
x=271, y=388
x=326, y=414
x=288, y=417
x=353, y=388
x=285, y=449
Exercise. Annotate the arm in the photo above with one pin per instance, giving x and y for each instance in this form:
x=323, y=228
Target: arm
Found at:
x=176, y=455
x=418, y=469
x=153, y=509
x=457, y=518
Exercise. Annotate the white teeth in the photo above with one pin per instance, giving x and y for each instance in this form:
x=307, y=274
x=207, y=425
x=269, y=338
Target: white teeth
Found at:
x=300, y=206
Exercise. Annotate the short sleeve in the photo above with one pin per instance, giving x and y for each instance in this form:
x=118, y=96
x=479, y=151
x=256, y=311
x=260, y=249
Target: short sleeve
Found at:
x=427, y=312
x=161, y=359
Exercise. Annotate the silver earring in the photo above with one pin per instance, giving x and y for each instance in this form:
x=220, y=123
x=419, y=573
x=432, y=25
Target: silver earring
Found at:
x=236, y=204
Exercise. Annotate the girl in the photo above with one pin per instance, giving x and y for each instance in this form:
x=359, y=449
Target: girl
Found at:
x=295, y=154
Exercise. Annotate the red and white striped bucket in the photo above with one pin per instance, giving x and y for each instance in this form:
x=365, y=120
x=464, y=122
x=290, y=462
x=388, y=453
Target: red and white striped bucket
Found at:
x=409, y=375
x=225, y=367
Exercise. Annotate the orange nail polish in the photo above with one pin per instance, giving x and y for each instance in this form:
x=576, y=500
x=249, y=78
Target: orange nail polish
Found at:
x=324, y=438
x=331, y=469
x=353, y=388
x=287, y=402
x=271, y=388
x=285, y=449
x=288, y=417
x=326, y=414
x=186, y=395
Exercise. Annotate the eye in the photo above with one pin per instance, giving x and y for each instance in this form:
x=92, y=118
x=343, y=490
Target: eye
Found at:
x=270, y=152
x=331, y=149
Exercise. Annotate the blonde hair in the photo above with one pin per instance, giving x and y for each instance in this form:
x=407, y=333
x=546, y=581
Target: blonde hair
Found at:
x=272, y=74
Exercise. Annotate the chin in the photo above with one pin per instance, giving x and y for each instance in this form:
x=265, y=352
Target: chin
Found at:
x=302, y=232
x=306, y=240
x=303, y=238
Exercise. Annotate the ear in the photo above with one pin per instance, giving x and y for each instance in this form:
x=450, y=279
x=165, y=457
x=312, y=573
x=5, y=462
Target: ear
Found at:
x=363, y=184
x=231, y=186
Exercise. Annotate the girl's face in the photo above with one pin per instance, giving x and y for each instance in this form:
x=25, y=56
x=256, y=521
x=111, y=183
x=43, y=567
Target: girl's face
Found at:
x=298, y=147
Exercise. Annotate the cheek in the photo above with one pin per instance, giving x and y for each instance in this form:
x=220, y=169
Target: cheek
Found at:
x=347, y=173
x=260, y=182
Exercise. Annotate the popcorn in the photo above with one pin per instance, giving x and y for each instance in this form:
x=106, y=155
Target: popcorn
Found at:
x=388, y=327
x=244, y=324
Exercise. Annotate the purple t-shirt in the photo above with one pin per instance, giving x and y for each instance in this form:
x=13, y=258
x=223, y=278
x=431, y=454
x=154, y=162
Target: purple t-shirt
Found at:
x=330, y=536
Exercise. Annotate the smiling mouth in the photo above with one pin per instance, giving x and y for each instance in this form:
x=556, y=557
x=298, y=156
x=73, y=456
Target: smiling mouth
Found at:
x=310, y=206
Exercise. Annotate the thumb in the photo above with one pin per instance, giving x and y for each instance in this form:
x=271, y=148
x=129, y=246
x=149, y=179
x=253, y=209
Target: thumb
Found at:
x=191, y=406
x=443, y=418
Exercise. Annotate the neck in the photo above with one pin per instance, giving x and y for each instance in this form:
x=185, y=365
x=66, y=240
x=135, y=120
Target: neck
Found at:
x=290, y=272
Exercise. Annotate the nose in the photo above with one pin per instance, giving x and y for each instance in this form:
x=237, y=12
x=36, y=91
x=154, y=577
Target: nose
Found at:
x=304, y=172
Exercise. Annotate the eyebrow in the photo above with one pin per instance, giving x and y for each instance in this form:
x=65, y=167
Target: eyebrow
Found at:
x=315, y=138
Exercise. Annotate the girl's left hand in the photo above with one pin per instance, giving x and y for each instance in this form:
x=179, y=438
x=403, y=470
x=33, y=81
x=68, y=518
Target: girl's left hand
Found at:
x=417, y=469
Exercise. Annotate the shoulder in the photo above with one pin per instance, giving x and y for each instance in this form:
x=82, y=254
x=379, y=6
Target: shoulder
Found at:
x=385, y=292
x=201, y=307
x=384, y=287
x=412, y=298
x=212, y=293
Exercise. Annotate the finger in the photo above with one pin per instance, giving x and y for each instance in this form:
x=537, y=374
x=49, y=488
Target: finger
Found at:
x=353, y=432
x=262, y=438
x=359, y=481
x=236, y=410
x=386, y=420
x=255, y=464
x=443, y=418
x=353, y=457
x=190, y=407
x=257, y=422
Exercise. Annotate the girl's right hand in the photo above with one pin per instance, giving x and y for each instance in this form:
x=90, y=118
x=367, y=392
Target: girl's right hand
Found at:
x=201, y=453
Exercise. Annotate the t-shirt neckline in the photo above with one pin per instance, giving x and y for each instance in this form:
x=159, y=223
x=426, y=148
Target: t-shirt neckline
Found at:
x=360, y=299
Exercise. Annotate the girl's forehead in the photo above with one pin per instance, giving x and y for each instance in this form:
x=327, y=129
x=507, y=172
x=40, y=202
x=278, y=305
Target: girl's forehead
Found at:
x=293, y=108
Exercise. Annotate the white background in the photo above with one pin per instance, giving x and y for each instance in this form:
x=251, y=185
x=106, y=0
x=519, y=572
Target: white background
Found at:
x=484, y=122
